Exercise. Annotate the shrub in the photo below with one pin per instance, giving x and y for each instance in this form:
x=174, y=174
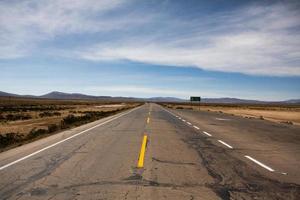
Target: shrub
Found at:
x=88, y=117
x=36, y=132
x=261, y=117
x=14, y=117
x=49, y=114
x=15, y=138
x=179, y=107
x=70, y=119
x=52, y=128
x=288, y=122
x=9, y=138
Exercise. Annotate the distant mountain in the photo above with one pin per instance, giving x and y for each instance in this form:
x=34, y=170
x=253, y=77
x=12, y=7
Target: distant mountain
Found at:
x=247, y=101
x=78, y=96
x=71, y=96
x=61, y=95
x=165, y=99
x=231, y=101
x=5, y=94
x=293, y=101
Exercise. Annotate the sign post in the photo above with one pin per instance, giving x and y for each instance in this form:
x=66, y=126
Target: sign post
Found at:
x=195, y=99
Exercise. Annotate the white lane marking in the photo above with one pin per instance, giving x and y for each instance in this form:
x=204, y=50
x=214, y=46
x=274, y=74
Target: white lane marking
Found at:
x=250, y=158
x=223, y=119
x=64, y=140
x=224, y=143
x=196, y=127
x=189, y=123
x=260, y=164
x=206, y=133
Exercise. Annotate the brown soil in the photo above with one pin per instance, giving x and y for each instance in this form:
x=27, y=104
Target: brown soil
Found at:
x=280, y=114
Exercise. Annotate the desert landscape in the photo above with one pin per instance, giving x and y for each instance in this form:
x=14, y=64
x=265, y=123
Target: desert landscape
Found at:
x=27, y=119
x=280, y=113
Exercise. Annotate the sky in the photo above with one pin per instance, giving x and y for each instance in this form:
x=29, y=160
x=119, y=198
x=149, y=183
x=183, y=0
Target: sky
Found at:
x=239, y=49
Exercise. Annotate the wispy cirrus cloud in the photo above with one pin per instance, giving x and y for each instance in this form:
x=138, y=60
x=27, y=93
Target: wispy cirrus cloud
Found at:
x=253, y=39
x=27, y=24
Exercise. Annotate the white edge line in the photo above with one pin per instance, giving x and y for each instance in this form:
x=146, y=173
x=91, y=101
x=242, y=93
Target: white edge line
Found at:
x=196, y=127
x=260, y=164
x=224, y=143
x=206, y=133
x=66, y=139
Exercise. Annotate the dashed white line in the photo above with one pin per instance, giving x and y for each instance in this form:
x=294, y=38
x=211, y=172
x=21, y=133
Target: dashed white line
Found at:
x=183, y=120
x=64, y=140
x=206, y=133
x=224, y=143
x=223, y=119
x=189, y=123
x=249, y=157
x=260, y=164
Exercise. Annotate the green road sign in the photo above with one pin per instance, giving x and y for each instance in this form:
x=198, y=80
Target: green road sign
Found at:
x=195, y=99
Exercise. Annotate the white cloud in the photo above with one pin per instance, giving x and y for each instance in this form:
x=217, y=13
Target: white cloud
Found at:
x=259, y=43
x=256, y=40
x=142, y=91
x=25, y=24
x=260, y=40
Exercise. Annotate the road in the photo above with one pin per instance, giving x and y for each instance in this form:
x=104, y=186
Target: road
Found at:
x=155, y=153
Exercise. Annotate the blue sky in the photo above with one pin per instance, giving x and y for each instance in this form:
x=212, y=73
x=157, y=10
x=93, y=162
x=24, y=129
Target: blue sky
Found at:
x=243, y=49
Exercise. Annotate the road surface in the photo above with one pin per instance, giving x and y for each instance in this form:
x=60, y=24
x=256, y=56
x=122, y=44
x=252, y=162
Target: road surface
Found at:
x=155, y=153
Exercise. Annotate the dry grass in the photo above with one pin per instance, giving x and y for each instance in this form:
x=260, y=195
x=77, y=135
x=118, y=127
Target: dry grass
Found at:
x=289, y=114
x=42, y=114
x=25, y=126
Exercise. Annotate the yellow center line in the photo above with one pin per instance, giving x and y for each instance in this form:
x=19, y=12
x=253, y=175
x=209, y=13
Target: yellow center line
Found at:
x=142, y=153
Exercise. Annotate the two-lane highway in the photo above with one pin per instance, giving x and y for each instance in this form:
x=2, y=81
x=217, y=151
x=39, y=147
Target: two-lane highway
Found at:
x=145, y=153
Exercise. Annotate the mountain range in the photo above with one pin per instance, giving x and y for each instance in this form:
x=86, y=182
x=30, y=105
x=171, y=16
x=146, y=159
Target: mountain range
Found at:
x=78, y=96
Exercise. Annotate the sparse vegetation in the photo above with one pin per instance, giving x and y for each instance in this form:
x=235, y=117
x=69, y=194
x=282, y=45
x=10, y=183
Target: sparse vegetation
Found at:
x=179, y=107
x=88, y=116
x=261, y=117
x=49, y=114
x=15, y=117
x=281, y=113
x=9, y=139
x=24, y=120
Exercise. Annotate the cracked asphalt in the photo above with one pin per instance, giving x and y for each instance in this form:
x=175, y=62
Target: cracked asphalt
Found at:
x=180, y=161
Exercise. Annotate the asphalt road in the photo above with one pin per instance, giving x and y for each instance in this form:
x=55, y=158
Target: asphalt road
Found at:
x=153, y=153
